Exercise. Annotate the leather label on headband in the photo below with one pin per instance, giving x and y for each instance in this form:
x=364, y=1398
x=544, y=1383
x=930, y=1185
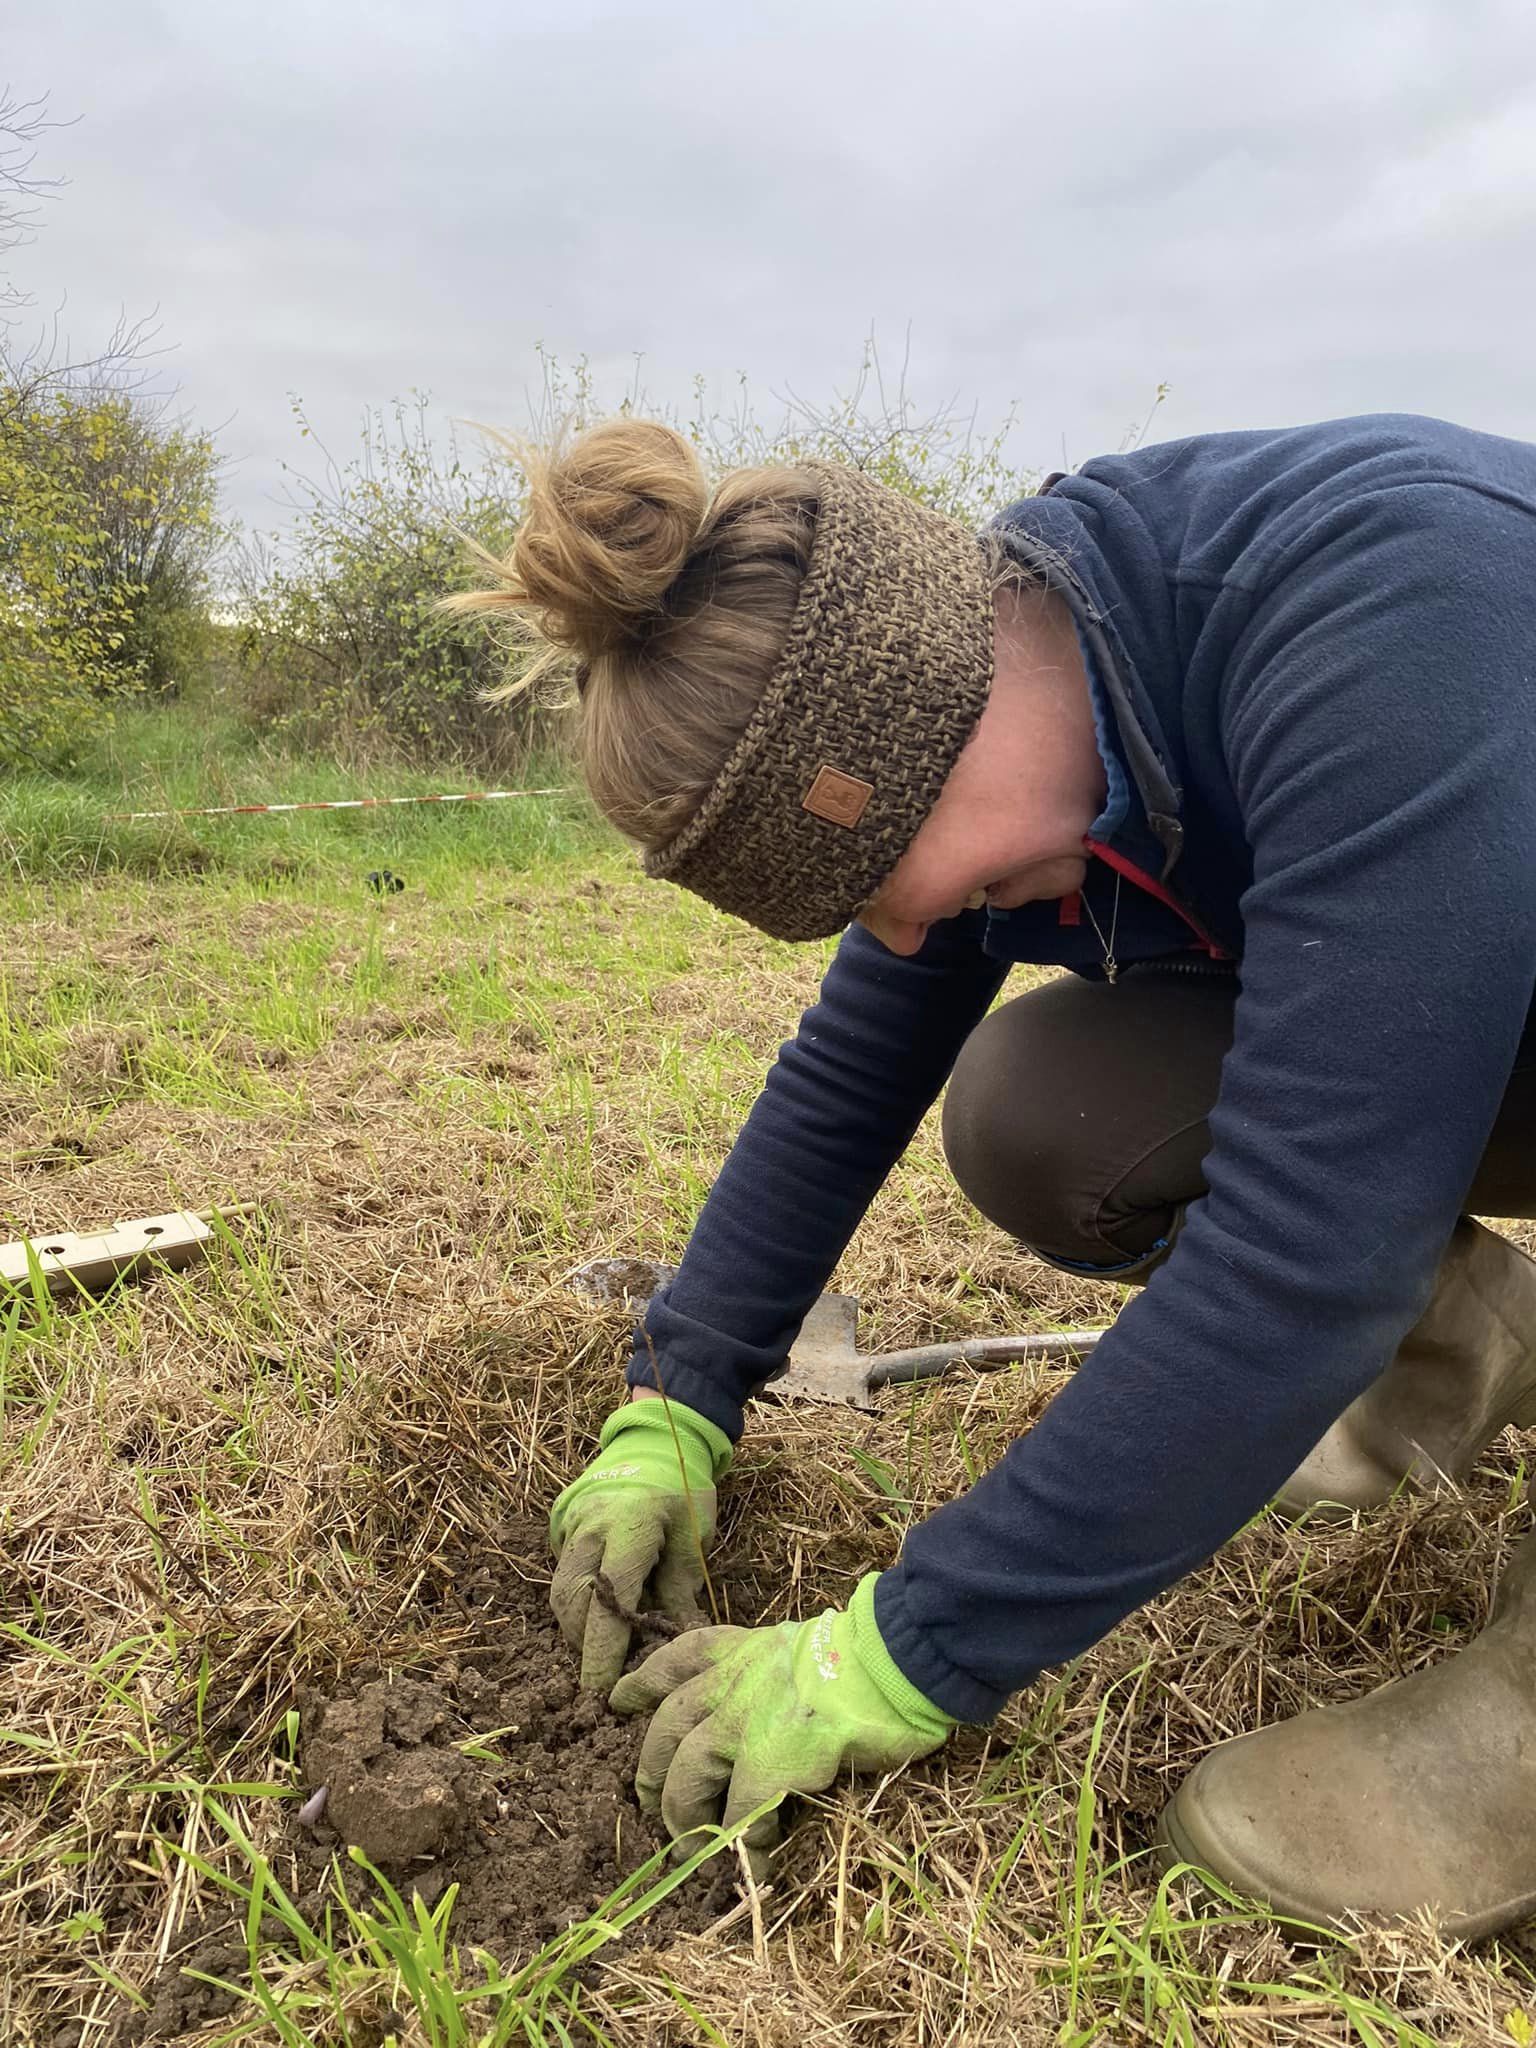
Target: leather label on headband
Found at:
x=840, y=799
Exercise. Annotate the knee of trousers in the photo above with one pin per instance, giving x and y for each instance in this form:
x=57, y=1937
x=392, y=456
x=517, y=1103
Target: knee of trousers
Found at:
x=1049, y=1123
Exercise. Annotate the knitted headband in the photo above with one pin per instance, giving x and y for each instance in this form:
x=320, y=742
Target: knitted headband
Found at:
x=883, y=676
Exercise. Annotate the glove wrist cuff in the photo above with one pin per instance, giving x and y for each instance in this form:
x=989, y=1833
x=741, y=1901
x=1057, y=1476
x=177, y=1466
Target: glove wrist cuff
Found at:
x=895, y=1688
x=707, y=1451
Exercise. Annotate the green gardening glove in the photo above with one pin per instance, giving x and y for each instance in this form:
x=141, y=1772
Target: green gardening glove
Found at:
x=642, y=1514
x=755, y=1713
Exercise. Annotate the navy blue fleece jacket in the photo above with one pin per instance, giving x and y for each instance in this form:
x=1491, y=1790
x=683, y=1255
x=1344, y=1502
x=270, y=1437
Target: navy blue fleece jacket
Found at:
x=1313, y=659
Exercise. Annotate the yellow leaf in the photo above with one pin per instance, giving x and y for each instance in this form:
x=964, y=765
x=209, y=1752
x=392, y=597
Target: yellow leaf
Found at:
x=1519, y=2027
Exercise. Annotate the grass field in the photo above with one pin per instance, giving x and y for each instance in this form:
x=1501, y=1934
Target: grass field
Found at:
x=323, y=1458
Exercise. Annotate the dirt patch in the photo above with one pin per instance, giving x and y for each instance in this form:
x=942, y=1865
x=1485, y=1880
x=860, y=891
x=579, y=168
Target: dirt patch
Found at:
x=491, y=1771
x=495, y=1772
x=631, y=1281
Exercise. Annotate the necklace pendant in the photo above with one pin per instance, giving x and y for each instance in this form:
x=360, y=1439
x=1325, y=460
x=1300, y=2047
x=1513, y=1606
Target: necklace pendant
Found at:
x=1111, y=968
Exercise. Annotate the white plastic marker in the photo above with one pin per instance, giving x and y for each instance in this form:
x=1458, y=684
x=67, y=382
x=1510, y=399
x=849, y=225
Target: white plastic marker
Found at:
x=63, y=1259
x=346, y=803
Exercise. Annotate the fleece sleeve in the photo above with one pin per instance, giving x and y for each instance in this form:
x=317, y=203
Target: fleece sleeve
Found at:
x=1379, y=722
x=838, y=1109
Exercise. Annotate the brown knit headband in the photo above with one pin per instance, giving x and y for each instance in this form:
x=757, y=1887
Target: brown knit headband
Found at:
x=883, y=676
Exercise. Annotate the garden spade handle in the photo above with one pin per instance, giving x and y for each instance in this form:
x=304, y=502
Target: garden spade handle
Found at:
x=887, y=1368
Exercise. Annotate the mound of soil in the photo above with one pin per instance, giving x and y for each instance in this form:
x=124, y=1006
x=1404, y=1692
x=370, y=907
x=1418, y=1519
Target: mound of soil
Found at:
x=492, y=1771
x=496, y=1773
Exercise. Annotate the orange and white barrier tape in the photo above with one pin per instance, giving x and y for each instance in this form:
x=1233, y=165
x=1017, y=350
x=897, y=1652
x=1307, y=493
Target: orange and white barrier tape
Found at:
x=347, y=803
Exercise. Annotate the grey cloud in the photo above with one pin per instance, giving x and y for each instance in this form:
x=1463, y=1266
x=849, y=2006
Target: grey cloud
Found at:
x=1285, y=211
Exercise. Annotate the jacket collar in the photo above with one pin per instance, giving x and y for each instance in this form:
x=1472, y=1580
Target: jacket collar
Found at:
x=1047, y=536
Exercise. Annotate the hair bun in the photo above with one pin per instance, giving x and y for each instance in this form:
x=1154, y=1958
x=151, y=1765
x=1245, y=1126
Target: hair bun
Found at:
x=609, y=527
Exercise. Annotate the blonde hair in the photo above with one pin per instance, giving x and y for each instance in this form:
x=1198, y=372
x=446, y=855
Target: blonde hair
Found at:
x=671, y=604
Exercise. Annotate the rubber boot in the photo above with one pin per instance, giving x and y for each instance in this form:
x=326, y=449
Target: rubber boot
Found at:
x=1465, y=1370
x=1420, y=1794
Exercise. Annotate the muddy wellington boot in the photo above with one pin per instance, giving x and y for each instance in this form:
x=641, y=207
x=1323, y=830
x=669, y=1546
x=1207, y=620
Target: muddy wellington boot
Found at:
x=1465, y=1370
x=1420, y=1794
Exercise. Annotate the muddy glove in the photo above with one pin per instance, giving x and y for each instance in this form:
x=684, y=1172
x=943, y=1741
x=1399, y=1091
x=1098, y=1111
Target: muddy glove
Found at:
x=745, y=1715
x=642, y=1512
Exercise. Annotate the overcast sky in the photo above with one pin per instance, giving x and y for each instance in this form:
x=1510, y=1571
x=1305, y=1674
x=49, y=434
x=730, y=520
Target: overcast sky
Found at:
x=1284, y=211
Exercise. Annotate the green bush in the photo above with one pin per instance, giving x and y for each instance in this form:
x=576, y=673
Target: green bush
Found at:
x=342, y=638
x=106, y=527
x=59, y=628
x=153, y=484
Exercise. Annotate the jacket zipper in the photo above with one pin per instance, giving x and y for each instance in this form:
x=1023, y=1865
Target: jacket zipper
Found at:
x=1154, y=888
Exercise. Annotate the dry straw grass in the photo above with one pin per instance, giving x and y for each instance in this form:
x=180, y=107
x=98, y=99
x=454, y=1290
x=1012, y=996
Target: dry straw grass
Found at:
x=229, y=1482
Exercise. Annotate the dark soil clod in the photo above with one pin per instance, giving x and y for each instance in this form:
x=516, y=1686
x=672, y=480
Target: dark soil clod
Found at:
x=397, y=1788
x=536, y=1831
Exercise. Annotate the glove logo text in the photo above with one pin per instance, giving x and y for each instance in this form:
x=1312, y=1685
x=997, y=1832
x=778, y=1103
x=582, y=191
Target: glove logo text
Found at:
x=825, y=1658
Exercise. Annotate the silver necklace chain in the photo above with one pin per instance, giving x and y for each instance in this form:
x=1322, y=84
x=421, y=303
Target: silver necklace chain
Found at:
x=1111, y=965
